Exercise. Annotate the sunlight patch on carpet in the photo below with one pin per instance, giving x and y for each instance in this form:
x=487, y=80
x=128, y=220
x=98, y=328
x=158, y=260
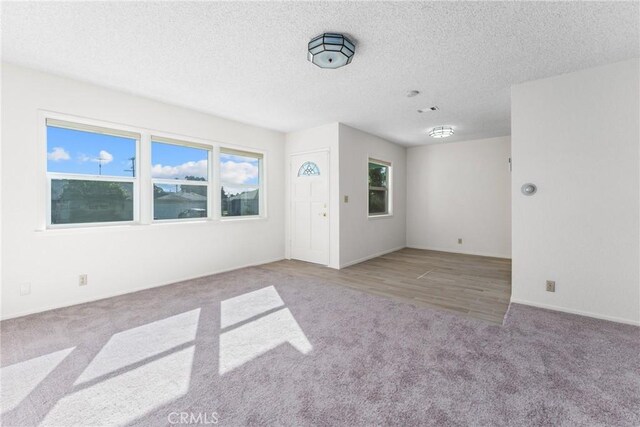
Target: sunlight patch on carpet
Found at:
x=123, y=398
x=20, y=379
x=260, y=335
x=237, y=309
x=143, y=342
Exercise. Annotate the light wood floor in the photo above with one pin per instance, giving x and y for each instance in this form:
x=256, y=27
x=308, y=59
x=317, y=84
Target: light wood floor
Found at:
x=472, y=285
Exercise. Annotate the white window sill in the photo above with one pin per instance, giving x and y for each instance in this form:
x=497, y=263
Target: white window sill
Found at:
x=242, y=218
x=380, y=216
x=106, y=227
x=83, y=228
x=182, y=221
x=115, y=227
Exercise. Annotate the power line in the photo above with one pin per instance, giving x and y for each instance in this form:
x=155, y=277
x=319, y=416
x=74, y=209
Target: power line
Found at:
x=133, y=166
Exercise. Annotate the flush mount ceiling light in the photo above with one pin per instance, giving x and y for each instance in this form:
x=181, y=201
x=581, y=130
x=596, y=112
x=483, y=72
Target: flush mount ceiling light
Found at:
x=441, y=132
x=331, y=50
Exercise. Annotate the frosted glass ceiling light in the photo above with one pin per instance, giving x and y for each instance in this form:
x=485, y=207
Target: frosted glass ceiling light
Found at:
x=441, y=132
x=331, y=50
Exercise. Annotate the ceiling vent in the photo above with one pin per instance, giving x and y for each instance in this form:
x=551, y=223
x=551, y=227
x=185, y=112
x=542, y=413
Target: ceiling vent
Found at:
x=426, y=110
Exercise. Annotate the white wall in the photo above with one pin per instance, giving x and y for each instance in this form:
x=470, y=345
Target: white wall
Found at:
x=362, y=237
x=576, y=136
x=126, y=258
x=319, y=138
x=460, y=190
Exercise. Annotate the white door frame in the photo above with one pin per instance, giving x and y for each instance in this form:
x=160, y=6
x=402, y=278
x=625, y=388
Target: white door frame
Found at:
x=298, y=153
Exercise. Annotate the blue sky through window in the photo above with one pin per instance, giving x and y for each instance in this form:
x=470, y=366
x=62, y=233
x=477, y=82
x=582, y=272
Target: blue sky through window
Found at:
x=79, y=152
x=171, y=161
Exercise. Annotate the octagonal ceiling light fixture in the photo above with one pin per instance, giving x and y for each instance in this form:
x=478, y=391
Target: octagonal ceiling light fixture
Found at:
x=441, y=132
x=331, y=50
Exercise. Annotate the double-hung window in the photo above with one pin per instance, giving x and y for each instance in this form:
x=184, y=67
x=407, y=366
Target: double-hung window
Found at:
x=95, y=176
x=91, y=174
x=180, y=178
x=379, y=188
x=241, y=181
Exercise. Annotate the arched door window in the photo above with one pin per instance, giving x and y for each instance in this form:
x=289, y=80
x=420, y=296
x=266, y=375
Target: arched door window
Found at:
x=308, y=169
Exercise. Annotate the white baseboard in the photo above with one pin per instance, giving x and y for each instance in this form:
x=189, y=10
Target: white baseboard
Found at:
x=578, y=312
x=463, y=252
x=132, y=290
x=368, y=257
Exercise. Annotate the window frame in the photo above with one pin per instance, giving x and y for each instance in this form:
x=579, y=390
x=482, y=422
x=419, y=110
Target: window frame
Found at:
x=389, y=189
x=162, y=181
x=105, y=129
x=245, y=152
x=143, y=186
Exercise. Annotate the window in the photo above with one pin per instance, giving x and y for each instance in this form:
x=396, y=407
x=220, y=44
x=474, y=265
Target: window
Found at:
x=240, y=179
x=180, y=176
x=91, y=174
x=94, y=176
x=308, y=169
x=379, y=180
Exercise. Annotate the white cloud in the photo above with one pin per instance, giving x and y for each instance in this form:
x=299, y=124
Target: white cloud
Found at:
x=198, y=168
x=58, y=154
x=238, y=172
x=104, y=157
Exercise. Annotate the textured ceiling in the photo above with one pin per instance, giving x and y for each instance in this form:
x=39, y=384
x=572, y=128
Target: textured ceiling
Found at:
x=247, y=61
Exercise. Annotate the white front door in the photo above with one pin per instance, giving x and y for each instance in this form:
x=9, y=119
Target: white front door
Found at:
x=310, y=207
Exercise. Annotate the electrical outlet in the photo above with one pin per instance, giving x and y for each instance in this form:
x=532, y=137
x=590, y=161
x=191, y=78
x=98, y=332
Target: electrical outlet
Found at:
x=551, y=286
x=460, y=240
x=346, y=199
x=25, y=289
x=83, y=280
